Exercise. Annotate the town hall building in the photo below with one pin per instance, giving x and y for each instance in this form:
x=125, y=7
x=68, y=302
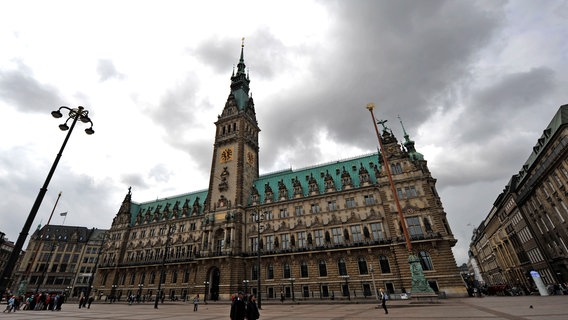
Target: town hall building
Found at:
x=321, y=232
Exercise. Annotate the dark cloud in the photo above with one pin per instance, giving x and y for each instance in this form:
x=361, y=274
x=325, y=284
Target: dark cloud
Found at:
x=89, y=204
x=178, y=108
x=400, y=55
x=507, y=104
x=107, y=70
x=201, y=151
x=20, y=89
x=215, y=52
x=494, y=134
x=135, y=179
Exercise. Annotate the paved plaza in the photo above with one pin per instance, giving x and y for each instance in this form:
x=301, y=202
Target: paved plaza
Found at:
x=517, y=308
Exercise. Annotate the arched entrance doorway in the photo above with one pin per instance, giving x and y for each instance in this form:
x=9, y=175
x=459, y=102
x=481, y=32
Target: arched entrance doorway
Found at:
x=214, y=279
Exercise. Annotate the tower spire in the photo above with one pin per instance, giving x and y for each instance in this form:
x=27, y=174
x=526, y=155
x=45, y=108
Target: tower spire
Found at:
x=409, y=144
x=240, y=81
x=406, y=136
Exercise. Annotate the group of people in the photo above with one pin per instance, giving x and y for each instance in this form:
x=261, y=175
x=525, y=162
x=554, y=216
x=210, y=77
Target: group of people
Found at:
x=243, y=307
x=39, y=301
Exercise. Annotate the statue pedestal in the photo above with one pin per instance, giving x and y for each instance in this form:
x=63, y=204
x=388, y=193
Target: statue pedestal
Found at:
x=421, y=291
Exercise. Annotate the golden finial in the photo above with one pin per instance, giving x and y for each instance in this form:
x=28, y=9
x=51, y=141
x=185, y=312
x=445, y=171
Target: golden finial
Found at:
x=243, y=42
x=370, y=106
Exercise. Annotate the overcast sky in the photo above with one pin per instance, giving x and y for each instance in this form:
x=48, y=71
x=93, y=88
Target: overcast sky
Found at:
x=475, y=83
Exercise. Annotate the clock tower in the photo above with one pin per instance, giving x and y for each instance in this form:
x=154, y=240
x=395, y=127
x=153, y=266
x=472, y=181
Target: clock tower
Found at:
x=234, y=167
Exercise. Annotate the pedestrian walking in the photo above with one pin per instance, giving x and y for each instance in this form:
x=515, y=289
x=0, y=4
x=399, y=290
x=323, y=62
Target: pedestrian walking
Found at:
x=195, y=303
x=384, y=298
x=252, y=308
x=238, y=308
x=10, y=305
x=82, y=301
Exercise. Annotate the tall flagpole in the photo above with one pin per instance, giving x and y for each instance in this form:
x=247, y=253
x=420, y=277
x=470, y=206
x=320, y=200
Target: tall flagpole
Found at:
x=420, y=287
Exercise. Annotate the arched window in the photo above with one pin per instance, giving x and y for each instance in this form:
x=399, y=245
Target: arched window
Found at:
x=322, y=269
x=270, y=272
x=362, y=266
x=287, y=273
x=425, y=261
x=254, y=272
x=341, y=266
x=384, y=263
x=304, y=269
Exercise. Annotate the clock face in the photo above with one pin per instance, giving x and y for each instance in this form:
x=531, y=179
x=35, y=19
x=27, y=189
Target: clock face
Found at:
x=250, y=158
x=226, y=155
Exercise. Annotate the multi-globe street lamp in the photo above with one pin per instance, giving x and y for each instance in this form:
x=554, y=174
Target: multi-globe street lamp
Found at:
x=246, y=284
x=258, y=218
x=74, y=115
x=140, y=287
x=114, y=287
x=292, y=285
x=171, y=229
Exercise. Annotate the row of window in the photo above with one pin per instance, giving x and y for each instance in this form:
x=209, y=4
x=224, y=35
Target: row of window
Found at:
x=320, y=237
x=152, y=277
x=162, y=231
x=363, y=267
x=315, y=208
x=177, y=252
x=287, y=272
x=336, y=235
x=61, y=246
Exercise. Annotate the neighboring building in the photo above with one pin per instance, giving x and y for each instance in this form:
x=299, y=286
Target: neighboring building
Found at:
x=6, y=248
x=88, y=262
x=326, y=230
x=527, y=230
x=59, y=259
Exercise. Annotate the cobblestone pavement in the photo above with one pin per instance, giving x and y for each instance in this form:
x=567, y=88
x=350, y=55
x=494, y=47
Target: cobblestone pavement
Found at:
x=511, y=308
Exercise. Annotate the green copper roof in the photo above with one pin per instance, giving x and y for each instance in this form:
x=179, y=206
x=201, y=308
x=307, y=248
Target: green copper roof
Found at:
x=335, y=169
x=240, y=83
x=409, y=145
x=319, y=172
x=169, y=203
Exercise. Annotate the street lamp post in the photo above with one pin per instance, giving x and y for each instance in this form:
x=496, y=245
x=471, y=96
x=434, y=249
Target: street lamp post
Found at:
x=171, y=229
x=292, y=283
x=346, y=278
x=78, y=113
x=113, y=292
x=140, y=286
x=246, y=284
x=206, y=284
x=258, y=217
